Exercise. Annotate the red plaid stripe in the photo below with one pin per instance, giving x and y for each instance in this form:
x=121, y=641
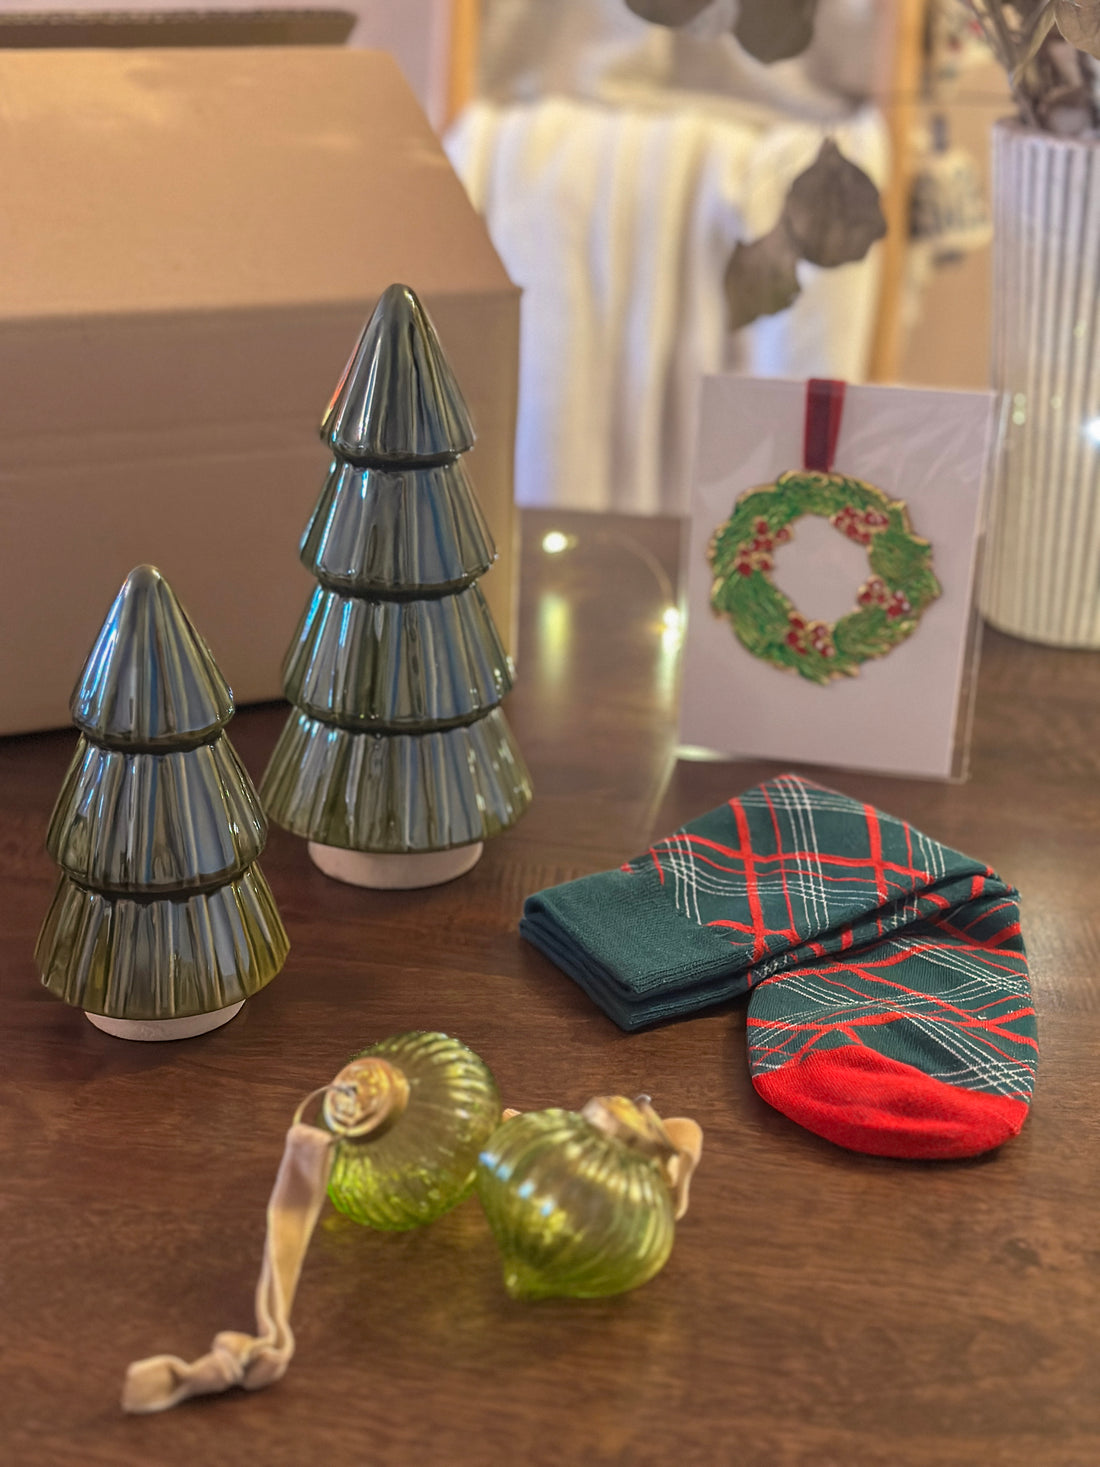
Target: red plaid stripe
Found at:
x=855, y=929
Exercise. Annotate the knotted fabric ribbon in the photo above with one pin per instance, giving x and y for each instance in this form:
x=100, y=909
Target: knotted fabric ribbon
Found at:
x=236, y=1359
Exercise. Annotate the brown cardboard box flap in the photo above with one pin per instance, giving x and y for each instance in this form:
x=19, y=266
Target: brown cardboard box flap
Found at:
x=307, y=27
x=184, y=179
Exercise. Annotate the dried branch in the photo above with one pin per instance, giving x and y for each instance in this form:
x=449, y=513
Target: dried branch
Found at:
x=1028, y=37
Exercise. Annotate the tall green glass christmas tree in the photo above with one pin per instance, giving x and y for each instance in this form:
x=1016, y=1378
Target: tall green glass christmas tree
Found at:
x=397, y=762
x=162, y=924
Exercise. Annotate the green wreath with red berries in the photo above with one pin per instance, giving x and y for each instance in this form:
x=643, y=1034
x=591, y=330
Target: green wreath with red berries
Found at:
x=889, y=604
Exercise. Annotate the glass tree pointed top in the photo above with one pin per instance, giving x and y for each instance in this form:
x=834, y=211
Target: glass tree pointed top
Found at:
x=150, y=679
x=397, y=399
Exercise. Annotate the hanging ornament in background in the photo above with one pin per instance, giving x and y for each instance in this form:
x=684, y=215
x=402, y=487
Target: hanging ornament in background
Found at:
x=775, y=30
x=162, y=924
x=397, y=762
x=948, y=216
x=584, y=1205
x=667, y=12
x=888, y=605
x=947, y=210
x=769, y=30
x=831, y=217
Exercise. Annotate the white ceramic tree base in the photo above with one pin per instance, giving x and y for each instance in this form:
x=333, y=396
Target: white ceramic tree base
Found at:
x=402, y=872
x=159, y=1029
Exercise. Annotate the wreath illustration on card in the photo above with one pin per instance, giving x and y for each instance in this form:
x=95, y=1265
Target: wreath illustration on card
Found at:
x=887, y=607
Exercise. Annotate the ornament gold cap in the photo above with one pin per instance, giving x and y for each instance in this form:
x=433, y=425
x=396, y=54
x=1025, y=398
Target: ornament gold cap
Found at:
x=676, y=1144
x=633, y=1122
x=364, y=1099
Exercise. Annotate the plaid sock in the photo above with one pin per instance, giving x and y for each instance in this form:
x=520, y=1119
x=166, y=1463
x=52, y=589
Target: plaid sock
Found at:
x=890, y=1009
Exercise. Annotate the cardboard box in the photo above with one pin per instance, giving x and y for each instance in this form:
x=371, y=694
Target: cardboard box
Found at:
x=62, y=27
x=193, y=241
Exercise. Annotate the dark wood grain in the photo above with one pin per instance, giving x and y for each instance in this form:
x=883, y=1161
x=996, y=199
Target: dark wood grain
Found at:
x=820, y=1307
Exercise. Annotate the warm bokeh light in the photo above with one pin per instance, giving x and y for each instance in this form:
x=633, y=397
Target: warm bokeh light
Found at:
x=555, y=635
x=672, y=636
x=554, y=542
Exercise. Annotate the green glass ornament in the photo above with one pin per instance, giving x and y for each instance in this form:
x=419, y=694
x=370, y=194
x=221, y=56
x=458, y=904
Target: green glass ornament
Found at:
x=584, y=1205
x=412, y=1114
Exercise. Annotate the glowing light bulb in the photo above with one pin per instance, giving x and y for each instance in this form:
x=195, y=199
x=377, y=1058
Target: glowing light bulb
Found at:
x=554, y=542
x=672, y=635
x=1092, y=430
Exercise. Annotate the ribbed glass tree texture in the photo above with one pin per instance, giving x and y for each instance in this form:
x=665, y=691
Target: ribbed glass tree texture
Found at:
x=160, y=911
x=397, y=743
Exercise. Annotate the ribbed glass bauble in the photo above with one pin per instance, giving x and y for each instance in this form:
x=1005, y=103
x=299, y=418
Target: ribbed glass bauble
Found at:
x=576, y=1211
x=422, y=1162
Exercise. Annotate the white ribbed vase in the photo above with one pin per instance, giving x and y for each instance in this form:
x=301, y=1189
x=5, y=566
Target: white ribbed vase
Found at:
x=1042, y=578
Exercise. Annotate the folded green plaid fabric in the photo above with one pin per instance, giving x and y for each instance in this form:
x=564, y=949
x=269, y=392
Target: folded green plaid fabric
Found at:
x=854, y=931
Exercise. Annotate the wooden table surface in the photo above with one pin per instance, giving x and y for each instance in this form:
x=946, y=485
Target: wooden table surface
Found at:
x=819, y=1308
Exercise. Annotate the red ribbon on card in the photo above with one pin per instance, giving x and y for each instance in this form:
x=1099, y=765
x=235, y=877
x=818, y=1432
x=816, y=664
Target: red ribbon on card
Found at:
x=824, y=409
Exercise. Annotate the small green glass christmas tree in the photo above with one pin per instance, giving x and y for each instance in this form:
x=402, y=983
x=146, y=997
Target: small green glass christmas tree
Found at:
x=161, y=925
x=397, y=762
